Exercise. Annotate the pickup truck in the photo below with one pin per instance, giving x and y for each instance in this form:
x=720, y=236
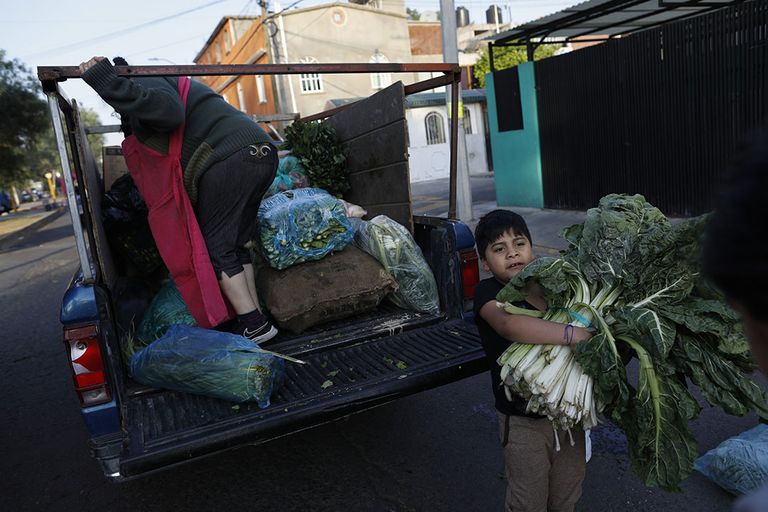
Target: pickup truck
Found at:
x=135, y=429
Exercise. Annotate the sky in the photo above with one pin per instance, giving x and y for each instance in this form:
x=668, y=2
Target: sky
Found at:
x=147, y=32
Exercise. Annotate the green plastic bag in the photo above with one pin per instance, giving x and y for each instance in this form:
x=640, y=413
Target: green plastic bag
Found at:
x=166, y=309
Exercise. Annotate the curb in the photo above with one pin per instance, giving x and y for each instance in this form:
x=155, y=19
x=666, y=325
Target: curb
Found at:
x=8, y=239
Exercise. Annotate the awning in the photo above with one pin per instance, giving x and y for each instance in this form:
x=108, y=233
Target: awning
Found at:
x=606, y=18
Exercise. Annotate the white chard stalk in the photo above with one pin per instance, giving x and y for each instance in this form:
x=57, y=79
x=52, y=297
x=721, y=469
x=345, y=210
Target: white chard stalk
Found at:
x=549, y=376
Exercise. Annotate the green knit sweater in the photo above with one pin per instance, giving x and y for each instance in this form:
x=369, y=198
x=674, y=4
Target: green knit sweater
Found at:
x=213, y=131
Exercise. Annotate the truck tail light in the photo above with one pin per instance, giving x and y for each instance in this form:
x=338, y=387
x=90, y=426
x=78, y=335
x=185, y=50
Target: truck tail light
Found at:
x=87, y=365
x=470, y=272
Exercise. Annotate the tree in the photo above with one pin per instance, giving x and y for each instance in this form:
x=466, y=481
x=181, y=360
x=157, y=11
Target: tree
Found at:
x=44, y=154
x=24, y=120
x=507, y=57
x=413, y=14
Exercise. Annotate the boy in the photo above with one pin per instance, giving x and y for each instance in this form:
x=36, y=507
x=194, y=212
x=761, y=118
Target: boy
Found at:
x=735, y=257
x=539, y=478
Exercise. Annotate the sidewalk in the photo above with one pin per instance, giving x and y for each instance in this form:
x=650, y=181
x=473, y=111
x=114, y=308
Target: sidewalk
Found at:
x=18, y=224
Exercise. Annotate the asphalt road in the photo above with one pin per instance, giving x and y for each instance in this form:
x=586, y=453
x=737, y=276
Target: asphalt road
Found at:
x=435, y=451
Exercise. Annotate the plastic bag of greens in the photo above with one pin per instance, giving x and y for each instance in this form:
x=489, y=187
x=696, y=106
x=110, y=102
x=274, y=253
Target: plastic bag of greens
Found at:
x=210, y=363
x=290, y=175
x=166, y=309
x=739, y=464
x=302, y=225
x=396, y=250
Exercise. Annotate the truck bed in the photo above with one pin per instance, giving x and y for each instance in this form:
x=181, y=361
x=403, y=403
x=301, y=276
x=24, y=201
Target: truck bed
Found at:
x=166, y=427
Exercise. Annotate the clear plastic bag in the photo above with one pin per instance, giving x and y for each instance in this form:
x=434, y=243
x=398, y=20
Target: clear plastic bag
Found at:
x=210, y=363
x=290, y=175
x=739, y=464
x=166, y=309
x=302, y=225
x=396, y=250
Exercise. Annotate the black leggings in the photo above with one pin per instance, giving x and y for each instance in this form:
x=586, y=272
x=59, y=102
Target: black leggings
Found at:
x=230, y=192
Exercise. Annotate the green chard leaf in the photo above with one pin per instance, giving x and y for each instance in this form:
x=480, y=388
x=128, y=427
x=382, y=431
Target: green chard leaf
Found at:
x=554, y=275
x=599, y=359
x=722, y=382
x=662, y=447
x=646, y=324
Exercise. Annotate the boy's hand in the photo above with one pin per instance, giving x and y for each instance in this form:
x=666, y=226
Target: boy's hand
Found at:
x=581, y=334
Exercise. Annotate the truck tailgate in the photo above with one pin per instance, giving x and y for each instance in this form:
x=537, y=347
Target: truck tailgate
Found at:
x=166, y=427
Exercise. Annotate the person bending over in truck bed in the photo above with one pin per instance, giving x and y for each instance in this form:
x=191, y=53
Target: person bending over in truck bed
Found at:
x=735, y=257
x=227, y=164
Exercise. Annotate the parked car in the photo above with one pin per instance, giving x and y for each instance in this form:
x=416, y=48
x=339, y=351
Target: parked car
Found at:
x=5, y=202
x=26, y=196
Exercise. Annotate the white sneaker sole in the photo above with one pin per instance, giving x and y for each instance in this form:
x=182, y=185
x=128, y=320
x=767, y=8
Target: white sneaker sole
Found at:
x=271, y=333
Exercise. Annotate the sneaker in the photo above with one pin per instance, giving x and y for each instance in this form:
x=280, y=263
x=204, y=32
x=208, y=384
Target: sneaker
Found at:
x=259, y=332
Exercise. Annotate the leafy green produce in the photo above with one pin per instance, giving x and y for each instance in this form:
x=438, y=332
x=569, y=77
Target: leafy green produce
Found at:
x=302, y=225
x=394, y=247
x=316, y=146
x=632, y=275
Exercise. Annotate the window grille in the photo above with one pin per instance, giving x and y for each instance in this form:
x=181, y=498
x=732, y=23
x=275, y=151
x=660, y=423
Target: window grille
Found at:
x=435, y=129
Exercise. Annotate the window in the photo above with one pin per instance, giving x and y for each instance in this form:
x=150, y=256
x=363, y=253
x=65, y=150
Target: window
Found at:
x=467, y=122
x=379, y=80
x=241, y=96
x=310, y=82
x=217, y=47
x=227, y=44
x=260, y=89
x=435, y=129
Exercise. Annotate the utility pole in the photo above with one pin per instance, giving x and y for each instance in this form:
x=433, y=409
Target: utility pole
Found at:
x=463, y=190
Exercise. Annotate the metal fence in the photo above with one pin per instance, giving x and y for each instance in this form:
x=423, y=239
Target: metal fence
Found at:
x=659, y=112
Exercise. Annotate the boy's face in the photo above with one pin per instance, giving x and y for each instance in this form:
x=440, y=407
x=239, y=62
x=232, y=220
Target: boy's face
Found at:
x=507, y=256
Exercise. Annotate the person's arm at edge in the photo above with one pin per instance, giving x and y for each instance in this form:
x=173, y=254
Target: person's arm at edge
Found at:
x=528, y=329
x=158, y=107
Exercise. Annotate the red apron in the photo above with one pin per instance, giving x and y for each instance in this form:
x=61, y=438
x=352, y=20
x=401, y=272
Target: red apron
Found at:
x=174, y=225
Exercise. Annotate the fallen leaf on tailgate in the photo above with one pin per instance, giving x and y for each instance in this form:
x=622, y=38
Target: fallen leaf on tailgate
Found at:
x=401, y=365
x=327, y=384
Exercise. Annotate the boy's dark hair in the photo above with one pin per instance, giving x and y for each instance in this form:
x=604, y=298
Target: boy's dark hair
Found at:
x=119, y=61
x=494, y=224
x=735, y=248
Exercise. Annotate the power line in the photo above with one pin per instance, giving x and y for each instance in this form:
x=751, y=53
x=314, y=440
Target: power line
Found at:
x=128, y=30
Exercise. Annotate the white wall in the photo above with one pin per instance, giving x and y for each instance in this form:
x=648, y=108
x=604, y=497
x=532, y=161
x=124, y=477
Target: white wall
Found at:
x=432, y=161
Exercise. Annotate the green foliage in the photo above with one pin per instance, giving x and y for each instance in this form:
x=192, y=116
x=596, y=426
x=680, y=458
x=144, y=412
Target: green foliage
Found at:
x=413, y=14
x=507, y=57
x=316, y=146
x=24, y=115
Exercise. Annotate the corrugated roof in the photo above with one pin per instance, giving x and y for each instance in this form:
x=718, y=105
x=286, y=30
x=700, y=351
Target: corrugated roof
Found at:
x=606, y=18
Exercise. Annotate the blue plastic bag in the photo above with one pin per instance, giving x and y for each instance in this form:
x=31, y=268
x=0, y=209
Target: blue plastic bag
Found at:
x=739, y=464
x=210, y=363
x=302, y=225
x=290, y=175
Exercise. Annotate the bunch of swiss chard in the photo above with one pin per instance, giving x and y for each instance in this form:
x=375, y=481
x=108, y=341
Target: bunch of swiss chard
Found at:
x=635, y=277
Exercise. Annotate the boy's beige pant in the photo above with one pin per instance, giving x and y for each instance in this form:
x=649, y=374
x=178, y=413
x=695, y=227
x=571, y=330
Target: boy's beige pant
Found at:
x=539, y=478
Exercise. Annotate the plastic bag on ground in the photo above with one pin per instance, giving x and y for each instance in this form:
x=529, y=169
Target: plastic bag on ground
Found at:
x=396, y=250
x=302, y=225
x=290, y=175
x=166, y=309
x=210, y=363
x=739, y=464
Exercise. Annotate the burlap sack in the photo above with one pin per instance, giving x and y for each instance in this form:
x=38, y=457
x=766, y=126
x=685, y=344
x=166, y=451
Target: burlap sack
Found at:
x=338, y=286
